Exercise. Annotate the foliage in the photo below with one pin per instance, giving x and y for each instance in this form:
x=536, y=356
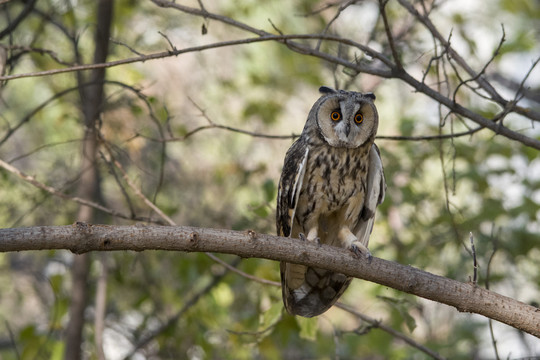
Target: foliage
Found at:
x=161, y=124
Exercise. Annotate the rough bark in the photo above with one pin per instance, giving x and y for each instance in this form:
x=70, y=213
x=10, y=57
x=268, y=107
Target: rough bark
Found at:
x=465, y=297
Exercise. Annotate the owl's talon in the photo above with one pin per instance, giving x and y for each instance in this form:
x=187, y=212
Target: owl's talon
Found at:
x=358, y=252
x=355, y=250
x=302, y=237
x=318, y=241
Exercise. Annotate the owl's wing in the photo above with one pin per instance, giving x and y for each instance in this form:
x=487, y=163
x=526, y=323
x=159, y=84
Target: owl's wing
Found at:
x=375, y=191
x=290, y=186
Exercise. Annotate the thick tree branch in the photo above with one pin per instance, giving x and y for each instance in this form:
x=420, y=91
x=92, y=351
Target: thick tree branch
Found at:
x=465, y=297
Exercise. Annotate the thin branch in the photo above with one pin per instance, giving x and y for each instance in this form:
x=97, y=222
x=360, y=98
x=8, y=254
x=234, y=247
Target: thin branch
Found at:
x=488, y=275
x=374, y=70
x=41, y=147
x=112, y=171
x=266, y=37
x=529, y=113
x=465, y=112
x=430, y=137
x=28, y=49
x=396, y=334
x=483, y=71
x=320, y=10
x=173, y=48
x=118, y=42
x=241, y=273
x=29, y=116
x=389, y=36
x=475, y=262
x=136, y=190
x=12, y=340
x=161, y=214
x=341, y=8
x=391, y=73
x=522, y=84
x=101, y=306
x=52, y=190
x=218, y=126
x=187, y=305
x=528, y=93
x=28, y=7
x=388, y=72
x=433, y=30
x=82, y=238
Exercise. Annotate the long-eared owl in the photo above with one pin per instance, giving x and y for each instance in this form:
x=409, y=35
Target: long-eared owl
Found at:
x=330, y=186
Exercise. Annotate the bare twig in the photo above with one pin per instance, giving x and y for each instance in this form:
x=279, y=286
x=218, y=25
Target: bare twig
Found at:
x=101, y=306
x=41, y=147
x=173, y=48
x=389, y=36
x=28, y=49
x=12, y=340
x=387, y=73
x=398, y=335
x=187, y=305
x=488, y=274
x=52, y=190
x=475, y=263
x=522, y=84
x=320, y=10
x=118, y=42
x=482, y=82
x=118, y=182
x=483, y=70
x=136, y=190
x=388, y=69
x=31, y=114
x=264, y=37
x=341, y=8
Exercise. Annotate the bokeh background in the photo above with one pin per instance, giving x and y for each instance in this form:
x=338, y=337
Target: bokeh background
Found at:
x=172, y=124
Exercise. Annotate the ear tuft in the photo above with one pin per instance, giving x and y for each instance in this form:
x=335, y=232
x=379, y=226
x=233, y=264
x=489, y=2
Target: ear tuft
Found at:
x=370, y=95
x=326, y=90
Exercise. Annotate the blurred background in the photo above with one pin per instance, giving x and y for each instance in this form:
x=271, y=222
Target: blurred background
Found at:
x=203, y=135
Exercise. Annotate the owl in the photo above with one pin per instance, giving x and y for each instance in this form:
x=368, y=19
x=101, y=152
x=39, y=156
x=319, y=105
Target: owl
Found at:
x=331, y=184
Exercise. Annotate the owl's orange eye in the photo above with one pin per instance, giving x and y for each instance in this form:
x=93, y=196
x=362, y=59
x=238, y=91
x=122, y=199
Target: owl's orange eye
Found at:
x=358, y=118
x=336, y=116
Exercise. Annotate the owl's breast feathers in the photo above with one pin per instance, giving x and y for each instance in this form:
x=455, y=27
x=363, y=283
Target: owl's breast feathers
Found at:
x=334, y=182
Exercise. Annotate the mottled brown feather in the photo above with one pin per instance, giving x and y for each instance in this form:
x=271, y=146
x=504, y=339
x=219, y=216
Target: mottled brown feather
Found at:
x=328, y=183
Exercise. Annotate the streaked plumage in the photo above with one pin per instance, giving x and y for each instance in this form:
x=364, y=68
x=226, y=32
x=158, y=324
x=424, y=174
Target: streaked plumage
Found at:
x=330, y=186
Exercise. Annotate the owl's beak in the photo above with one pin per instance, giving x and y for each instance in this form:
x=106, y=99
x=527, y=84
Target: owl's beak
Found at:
x=347, y=129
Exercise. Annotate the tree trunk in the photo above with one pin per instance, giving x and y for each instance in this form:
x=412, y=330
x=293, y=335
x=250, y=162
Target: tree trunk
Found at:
x=89, y=187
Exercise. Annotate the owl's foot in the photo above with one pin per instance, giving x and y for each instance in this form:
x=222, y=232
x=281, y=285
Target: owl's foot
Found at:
x=304, y=238
x=358, y=249
x=350, y=241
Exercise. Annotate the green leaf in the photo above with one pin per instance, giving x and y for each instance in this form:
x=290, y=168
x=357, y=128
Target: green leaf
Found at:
x=271, y=316
x=58, y=350
x=269, y=188
x=308, y=327
x=402, y=306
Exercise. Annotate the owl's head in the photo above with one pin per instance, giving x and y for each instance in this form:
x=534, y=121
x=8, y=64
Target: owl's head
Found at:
x=346, y=118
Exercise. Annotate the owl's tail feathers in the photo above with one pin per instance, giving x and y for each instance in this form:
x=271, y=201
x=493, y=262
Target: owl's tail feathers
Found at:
x=318, y=291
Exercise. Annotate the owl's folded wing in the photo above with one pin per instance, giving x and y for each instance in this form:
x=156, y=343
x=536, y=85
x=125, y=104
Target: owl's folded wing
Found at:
x=290, y=186
x=375, y=191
